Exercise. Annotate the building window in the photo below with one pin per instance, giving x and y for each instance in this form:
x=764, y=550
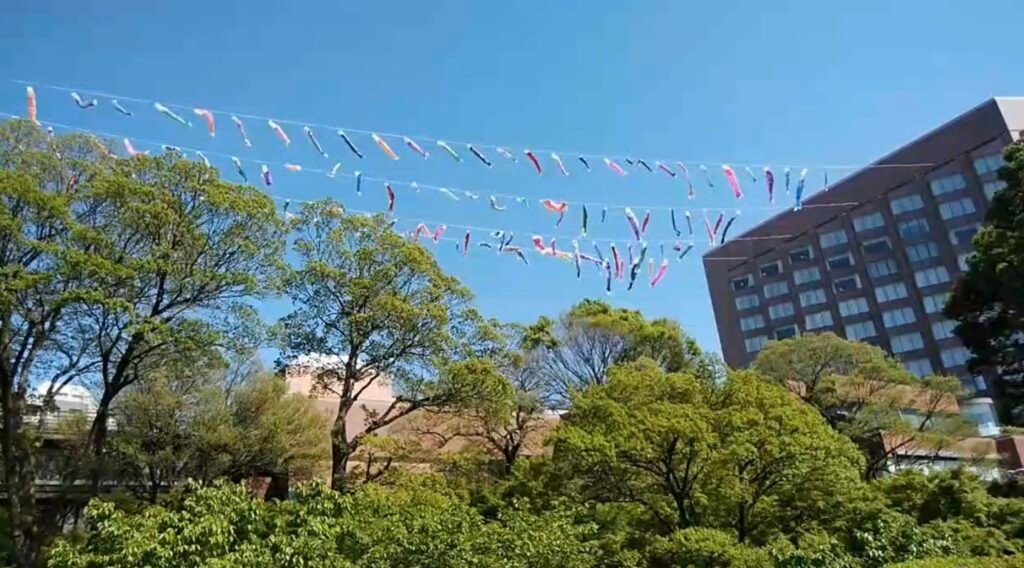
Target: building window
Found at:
x=801, y=254
x=981, y=413
x=898, y=317
x=835, y=238
x=742, y=283
x=922, y=251
x=961, y=260
x=805, y=275
x=919, y=367
x=848, y=284
x=868, y=222
x=882, y=268
x=818, y=320
x=991, y=188
x=907, y=342
x=943, y=329
x=840, y=261
x=990, y=163
x=890, y=292
x=775, y=289
x=755, y=344
x=947, y=184
x=931, y=276
x=771, y=269
x=912, y=228
x=933, y=304
x=911, y=202
x=954, y=356
x=786, y=332
x=853, y=306
x=812, y=297
x=860, y=330
x=877, y=246
x=780, y=310
x=959, y=208
x=963, y=235
x=752, y=322
x=747, y=302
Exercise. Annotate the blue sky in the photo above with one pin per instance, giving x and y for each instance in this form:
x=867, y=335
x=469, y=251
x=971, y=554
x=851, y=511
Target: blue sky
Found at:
x=777, y=83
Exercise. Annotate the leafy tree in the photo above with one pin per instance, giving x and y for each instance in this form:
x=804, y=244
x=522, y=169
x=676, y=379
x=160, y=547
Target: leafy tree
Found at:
x=373, y=307
x=864, y=393
x=988, y=301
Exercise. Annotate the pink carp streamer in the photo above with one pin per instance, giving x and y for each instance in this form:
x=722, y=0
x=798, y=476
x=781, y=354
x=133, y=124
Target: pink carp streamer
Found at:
x=559, y=207
x=383, y=145
x=451, y=151
x=293, y=167
x=506, y=154
x=559, y=163
x=734, y=182
x=171, y=114
x=313, y=140
x=281, y=134
x=617, y=261
x=479, y=155
x=533, y=159
x=265, y=172
x=391, y=197
x=348, y=142
x=662, y=270
x=241, y=130
x=634, y=224
x=769, y=182
x=83, y=104
x=668, y=170
x=211, y=123
x=412, y=145
x=614, y=167
x=30, y=104
x=689, y=182
x=128, y=147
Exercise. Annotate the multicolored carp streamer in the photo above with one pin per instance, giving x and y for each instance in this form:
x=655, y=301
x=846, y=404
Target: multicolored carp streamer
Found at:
x=682, y=254
x=265, y=172
x=211, y=122
x=312, y=140
x=495, y=206
x=281, y=134
x=634, y=269
x=334, y=170
x=451, y=151
x=689, y=182
x=348, y=142
x=800, y=190
x=465, y=244
x=391, y=197
x=171, y=114
x=293, y=167
x=202, y=156
x=506, y=154
x=689, y=223
x=131, y=149
x=786, y=174
x=239, y=170
x=718, y=223
x=538, y=244
x=734, y=183
x=645, y=222
x=769, y=181
x=713, y=232
x=533, y=159
x=669, y=171
x=117, y=106
x=412, y=145
x=559, y=207
x=240, y=126
x=30, y=104
x=359, y=183
x=728, y=224
x=583, y=230
x=634, y=224
x=449, y=193
x=617, y=260
x=660, y=274
x=558, y=162
x=383, y=145
x=479, y=155
x=83, y=103
x=707, y=176
x=584, y=161
x=644, y=164
x=750, y=172
x=421, y=229
x=614, y=167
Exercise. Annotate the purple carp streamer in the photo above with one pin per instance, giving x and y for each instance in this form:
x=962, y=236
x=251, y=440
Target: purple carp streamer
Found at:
x=240, y=126
x=281, y=134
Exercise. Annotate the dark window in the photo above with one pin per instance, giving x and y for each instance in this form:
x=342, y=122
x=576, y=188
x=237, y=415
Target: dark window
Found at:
x=912, y=228
x=771, y=269
x=877, y=246
x=846, y=284
x=964, y=236
x=800, y=255
x=742, y=283
x=842, y=261
x=785, y=332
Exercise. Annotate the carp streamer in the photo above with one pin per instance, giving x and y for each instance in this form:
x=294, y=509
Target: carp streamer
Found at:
x=451, y=151
x=265, y=172
x=312, y=140
x=239, y=170
x=211, y=123
x=412, y=145
x=240, y=126
x=669, y=171
x=675, y=228
x=495, y=206
x=171, y=114
x=348, y=142
x=645, y=222
x=633, y=223
x=660, y=274
x=82, y=103
x=786, y=174
x=506, y=154
x=334, y=170
x=614, y=167
x=383, y=145
x=449, y=193
x=728, y=224
x=202, y=156
x=707, y=176
x=734, y=183
x=800, y=190
x=479, y=155
x=583, y=229
x=644, y=164
x=465, y=244
x=689, y=222
x=281, y=134
x=559, y=163
x=769, y=181
x=750, y=172
x=117, y=106
x=391, y=197
x=689, y=183
x=131, y=149
x=559, y=207
x=30, y=104
x=293, y=167
x=533, y=159
x=585, y=163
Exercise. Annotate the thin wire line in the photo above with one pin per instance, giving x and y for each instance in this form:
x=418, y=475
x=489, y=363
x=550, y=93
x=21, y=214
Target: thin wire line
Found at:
x=415, y=186
x=435, y=140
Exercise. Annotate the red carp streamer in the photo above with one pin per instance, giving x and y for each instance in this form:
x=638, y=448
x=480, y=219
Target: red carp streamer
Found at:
x=734, y=182
x=211, y=123
x=534, y=161
x=30, y=102
x=559, y=207
x=614, y=167
x=293, y=167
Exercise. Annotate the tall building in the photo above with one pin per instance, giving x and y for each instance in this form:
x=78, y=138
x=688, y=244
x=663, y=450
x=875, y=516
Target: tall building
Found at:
x=874, y=257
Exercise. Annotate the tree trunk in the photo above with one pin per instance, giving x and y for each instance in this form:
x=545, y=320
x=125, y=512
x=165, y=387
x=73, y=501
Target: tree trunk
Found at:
x=98, y=440
x=341, y=451
x=19, y=477
x=741, y=523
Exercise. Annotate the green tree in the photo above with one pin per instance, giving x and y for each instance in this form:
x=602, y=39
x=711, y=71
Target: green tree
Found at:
x=372, y=307
x=867, y=395
x=988, y=301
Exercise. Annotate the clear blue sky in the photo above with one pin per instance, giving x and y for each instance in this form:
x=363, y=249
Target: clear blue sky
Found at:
x=782, y=82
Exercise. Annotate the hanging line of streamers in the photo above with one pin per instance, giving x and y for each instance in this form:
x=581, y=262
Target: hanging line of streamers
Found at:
x=533, y=155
